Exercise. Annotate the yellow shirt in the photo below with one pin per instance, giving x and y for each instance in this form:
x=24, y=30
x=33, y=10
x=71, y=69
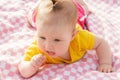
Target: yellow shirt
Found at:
x=83, y=41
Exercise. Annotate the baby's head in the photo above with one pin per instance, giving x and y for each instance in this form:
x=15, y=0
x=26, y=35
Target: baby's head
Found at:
x=55, y=22
x=60, y=11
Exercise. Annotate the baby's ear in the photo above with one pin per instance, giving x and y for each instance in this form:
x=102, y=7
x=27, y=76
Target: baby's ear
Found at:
x=74, y=33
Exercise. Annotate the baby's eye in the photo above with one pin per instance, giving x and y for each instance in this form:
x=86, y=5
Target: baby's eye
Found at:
x=42, y=38
x=57, y=40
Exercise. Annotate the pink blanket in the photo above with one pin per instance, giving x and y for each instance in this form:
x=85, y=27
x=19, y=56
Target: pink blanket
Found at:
x=16, y=35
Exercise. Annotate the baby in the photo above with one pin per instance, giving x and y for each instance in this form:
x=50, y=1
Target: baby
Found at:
x=59, y=39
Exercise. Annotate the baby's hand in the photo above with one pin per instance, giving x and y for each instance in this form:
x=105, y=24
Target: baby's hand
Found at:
x=107, y=68
x=37, y=60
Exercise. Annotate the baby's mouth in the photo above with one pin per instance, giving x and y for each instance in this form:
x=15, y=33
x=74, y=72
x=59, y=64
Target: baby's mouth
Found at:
x=50, y=53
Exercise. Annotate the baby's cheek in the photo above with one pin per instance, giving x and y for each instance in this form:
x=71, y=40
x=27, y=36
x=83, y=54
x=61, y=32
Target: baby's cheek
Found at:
x=40, y=44
x=62, y=49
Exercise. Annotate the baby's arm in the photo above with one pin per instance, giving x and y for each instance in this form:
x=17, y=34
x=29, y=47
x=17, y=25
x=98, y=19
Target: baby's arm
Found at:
x=29, y=68
x=104, y=54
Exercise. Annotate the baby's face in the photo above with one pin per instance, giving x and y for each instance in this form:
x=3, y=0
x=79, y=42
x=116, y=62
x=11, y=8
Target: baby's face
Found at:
x=53, y=39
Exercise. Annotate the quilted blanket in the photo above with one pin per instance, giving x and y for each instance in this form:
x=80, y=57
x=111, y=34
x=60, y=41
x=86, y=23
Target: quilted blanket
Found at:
x=16, y=35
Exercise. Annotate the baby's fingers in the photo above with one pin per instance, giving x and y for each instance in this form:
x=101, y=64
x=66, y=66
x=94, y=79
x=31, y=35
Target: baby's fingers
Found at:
x=109, y=70
x=38, y=60
x=105, y=68
x=102, y=69
x=40, y=57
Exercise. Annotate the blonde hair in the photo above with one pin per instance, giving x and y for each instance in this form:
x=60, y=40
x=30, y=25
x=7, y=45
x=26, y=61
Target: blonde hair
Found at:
x=65, y=9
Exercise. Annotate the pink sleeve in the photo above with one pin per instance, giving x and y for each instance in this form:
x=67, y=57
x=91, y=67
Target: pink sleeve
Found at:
x=81, y=14
x=34, y=16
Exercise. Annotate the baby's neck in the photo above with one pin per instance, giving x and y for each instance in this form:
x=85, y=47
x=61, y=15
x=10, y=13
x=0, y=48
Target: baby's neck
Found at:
x=66, y=56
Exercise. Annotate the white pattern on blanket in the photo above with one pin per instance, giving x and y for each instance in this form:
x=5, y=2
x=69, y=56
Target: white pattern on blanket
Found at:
x=16, y=35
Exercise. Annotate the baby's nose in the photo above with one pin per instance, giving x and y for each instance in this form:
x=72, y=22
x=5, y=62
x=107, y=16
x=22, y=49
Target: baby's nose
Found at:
x=49, y=46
